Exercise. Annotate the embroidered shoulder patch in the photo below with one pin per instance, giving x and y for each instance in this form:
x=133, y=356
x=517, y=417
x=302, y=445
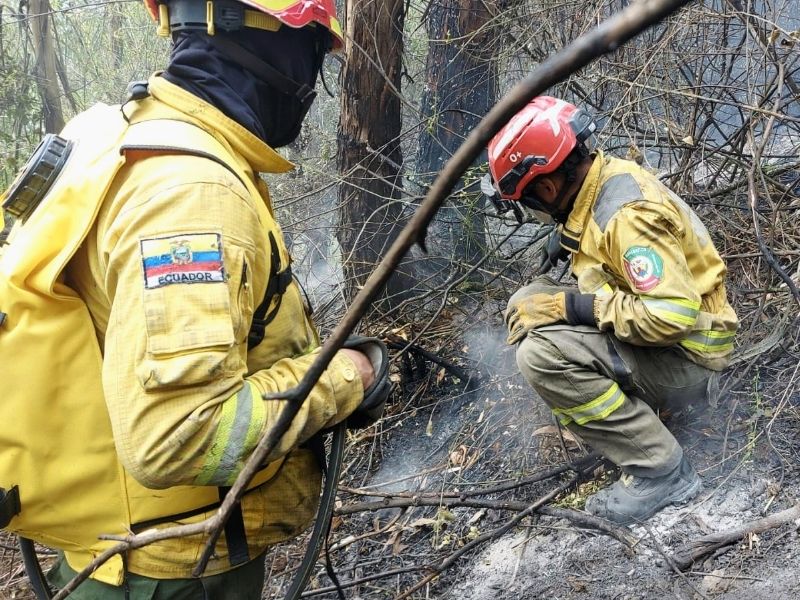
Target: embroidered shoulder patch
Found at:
x=185, y=258
x=644, y=267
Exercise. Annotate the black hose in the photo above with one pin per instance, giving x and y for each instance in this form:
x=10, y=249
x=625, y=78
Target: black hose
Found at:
x=34, y=570
x=322, y=525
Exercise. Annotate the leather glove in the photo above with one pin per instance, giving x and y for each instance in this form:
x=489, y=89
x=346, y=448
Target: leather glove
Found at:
x=539, y=310
x=375, y=396
x=552, y=252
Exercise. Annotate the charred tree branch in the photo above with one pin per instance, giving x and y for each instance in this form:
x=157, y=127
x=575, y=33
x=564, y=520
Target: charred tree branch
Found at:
x=686, y=555
x=399, y=343
x=585, y=464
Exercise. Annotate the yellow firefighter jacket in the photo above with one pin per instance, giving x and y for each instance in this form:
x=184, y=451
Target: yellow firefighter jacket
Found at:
x=175, y=259
x=657, y=276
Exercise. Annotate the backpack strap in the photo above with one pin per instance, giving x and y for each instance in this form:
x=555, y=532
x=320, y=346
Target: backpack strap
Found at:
x=276, y=286
x=235, y=533
x=9, y=505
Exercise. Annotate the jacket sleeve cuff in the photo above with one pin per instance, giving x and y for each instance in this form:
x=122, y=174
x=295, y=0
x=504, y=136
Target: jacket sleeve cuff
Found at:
x=580, y=309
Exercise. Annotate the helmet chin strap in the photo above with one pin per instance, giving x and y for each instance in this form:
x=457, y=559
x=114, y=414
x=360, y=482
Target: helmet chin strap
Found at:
x=264, y=71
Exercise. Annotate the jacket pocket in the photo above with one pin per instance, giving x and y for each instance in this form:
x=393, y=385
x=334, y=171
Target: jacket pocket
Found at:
x=189, y=334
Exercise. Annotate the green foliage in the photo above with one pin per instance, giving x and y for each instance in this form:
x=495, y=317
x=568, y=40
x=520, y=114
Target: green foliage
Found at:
x=20, y=118
x=99, y=47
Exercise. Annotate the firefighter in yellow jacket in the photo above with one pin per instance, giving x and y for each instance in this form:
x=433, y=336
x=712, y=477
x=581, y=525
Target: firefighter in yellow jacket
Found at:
x=189, y=286
x=649, y=325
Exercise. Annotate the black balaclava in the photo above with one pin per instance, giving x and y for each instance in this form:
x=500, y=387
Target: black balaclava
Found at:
x=200, y=67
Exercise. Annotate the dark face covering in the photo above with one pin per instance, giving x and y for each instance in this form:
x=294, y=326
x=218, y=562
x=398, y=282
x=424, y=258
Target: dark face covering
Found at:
x=202, y=67
x=545, y=212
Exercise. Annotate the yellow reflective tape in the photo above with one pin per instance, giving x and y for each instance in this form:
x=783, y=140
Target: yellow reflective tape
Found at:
x=595, y=410
x=605, y=290
x=616, y=402
x=709, y=341
x=706, y=348
x=690, y=304
x=677, y=310
x=257, y=420
x=592, y=403
x=678, y=305
x=208, y=472
x=238, y=432
x=675, y=317
x=717, y=335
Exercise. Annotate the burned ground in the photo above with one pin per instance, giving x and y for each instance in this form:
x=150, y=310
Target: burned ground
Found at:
x=464, y=437
x=496, y=433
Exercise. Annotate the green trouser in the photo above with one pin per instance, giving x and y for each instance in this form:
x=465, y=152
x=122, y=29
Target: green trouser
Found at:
x=606, y=391
x=242, y=583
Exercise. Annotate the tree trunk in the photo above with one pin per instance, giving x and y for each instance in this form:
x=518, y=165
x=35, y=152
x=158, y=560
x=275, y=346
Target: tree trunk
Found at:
x=461, y=87
x=115, y=23
x=369, y=158
x=45, y=68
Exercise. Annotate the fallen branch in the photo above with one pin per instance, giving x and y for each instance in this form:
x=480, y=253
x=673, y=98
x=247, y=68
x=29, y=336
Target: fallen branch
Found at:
x=397, y=343
x=687, y=554
x=583, y=464
x=583, y=519
x=367, y=579
x=466, y=498
x=578, y=518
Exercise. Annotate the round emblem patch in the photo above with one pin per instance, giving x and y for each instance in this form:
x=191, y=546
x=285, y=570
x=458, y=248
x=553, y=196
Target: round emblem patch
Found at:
x=644, y=267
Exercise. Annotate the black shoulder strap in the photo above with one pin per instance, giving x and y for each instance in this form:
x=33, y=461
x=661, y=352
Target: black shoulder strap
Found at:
x=235, y=533
x=276, y=286
x=9, y=505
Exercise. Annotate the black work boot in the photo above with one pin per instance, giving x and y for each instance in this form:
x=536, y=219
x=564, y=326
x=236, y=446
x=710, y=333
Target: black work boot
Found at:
x=633, y=499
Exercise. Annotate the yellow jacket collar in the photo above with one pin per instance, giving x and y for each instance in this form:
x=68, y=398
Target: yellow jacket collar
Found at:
x=576, y=222
x=260, y=156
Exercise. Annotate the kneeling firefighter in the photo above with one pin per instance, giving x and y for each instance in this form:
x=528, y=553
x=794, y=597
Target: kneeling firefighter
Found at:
x=648, y=325
x=161, y=263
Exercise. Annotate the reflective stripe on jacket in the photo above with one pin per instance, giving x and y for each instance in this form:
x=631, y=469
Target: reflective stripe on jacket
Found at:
x=658, y=278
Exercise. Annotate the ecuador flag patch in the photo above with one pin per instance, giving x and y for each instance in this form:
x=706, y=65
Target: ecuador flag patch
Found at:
x=184, y=258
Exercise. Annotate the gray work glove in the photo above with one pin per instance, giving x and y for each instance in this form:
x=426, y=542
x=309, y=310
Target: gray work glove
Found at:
x=552, y=252
x=375, y=396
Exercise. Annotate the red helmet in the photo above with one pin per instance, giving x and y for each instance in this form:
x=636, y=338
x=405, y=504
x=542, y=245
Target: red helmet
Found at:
x=535, y=142
x=294, y=13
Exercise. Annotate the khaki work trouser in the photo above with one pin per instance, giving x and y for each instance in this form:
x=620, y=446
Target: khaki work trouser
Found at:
x=606, y=391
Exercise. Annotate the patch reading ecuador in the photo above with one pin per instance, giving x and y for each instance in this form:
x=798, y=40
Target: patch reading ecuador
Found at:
x=186, y=258
x=644, y=267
